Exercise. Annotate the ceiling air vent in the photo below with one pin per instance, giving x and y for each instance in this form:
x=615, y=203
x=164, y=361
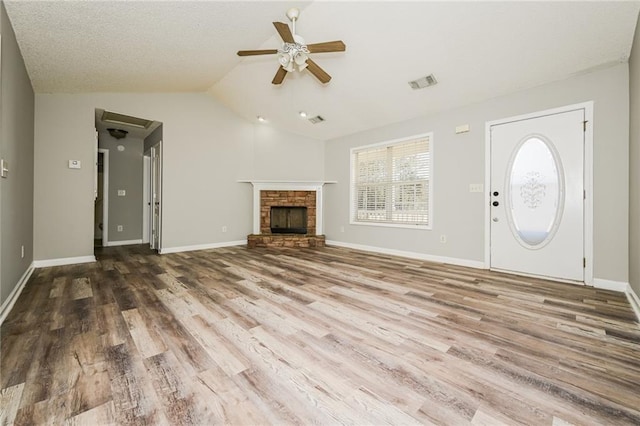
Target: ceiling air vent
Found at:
x=423, y=82
x=317, y=119
x=115, y=118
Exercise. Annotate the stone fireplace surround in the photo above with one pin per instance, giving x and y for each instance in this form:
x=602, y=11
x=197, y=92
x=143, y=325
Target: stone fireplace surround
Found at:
x=272, y=198
x=286, y=193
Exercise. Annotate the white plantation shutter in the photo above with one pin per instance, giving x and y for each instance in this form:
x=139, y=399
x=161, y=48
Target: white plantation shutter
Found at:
x=390, y=183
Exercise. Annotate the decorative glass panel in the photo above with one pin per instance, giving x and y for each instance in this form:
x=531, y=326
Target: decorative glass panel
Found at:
x=535, y=192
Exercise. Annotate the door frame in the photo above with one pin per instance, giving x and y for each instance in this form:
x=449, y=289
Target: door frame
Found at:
x=156, y=178
x=146, y=198
x=588, y=180
x=105, y=196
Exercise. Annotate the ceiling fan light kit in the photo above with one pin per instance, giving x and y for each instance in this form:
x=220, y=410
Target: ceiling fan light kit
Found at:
x=294, y=54
x=117, y=133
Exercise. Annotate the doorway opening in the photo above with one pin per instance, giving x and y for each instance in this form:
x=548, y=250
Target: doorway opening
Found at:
x=101, y=210
x=122, y=183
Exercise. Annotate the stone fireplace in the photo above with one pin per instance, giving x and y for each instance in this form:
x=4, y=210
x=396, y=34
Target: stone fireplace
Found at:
x=287, y=199
x=287, y=214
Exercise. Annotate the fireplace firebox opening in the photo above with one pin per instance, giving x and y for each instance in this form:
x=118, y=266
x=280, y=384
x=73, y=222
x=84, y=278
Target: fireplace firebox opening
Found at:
x=288, y=220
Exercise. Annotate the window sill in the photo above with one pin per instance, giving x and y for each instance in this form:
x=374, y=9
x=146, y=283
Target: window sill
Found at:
x=392, y=225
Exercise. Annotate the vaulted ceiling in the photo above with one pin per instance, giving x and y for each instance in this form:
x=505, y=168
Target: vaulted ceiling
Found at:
x=476, y=50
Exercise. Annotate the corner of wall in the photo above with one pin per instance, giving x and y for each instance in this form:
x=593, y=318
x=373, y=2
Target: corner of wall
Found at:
x=7, y=305
x=634, y=300
x=634, y=163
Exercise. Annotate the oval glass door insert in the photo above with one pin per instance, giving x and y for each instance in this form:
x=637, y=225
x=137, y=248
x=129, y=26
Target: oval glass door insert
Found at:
x=535, y=192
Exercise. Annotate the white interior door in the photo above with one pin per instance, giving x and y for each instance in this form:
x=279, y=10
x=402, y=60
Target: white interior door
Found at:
x=156, y=196
x=537, y=196
x=146, y=199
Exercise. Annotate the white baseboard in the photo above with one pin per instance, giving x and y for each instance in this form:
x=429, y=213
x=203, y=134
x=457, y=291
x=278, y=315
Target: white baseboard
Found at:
x=610, y=285
x=410, y=254
x=634, y=300
x=63, y=261
x=123, y=243
x=622, y=287
x=15, y=293
x=202, y=246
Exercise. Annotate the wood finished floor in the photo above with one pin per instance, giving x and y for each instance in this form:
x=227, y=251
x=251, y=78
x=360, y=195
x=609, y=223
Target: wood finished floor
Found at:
x=322, y=336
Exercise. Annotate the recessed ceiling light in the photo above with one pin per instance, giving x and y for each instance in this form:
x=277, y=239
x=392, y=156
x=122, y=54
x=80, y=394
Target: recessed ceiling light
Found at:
x=261, y=118
x=302, y=114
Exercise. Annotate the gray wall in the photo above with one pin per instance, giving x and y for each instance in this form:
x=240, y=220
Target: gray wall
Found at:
x=152, y=139
x=459, y=161
x=125, y=172
x=634, y=164
x=9, y=287
x=16, y=146
x=206, y=150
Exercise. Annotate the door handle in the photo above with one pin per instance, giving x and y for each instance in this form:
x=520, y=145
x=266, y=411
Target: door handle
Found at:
x=495, y=204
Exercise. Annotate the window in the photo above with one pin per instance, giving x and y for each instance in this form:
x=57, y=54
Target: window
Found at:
x=390, y=183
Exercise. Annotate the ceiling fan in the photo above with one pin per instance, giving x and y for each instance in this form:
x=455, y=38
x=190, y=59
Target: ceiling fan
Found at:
x=294, y=54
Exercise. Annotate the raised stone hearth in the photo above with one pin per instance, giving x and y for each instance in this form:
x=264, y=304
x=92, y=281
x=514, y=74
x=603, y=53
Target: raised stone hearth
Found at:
x=286, y=194
x=285, y=240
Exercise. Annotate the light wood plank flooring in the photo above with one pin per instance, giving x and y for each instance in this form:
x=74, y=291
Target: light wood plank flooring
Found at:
x=315, y=336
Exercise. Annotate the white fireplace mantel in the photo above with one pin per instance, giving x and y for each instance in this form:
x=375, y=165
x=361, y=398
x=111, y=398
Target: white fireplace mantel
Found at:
x=286, y=185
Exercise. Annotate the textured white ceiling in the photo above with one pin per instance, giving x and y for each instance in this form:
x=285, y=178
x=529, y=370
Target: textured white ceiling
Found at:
x=477, y=50
x=136, y=46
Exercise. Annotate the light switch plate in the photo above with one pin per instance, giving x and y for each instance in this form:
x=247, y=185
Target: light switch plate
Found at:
x=4, y=168
x=74, y=164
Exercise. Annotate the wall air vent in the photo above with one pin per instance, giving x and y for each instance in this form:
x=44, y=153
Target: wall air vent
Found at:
x=317, y=119
x=423, y=82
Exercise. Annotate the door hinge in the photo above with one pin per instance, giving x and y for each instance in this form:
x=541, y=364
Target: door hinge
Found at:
x=584, y=262
x=584, y=194
x=584, y=126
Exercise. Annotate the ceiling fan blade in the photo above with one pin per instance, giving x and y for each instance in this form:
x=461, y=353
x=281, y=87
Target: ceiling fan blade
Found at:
x=318, y=72
x=329, y=46
x=257, y=52
x=284, y=31
x=280, y=75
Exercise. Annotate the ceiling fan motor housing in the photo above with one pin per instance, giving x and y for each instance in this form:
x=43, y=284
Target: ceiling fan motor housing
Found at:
x=294, y=53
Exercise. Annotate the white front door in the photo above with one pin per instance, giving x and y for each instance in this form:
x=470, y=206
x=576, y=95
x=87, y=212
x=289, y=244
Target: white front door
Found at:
x=537, y=196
